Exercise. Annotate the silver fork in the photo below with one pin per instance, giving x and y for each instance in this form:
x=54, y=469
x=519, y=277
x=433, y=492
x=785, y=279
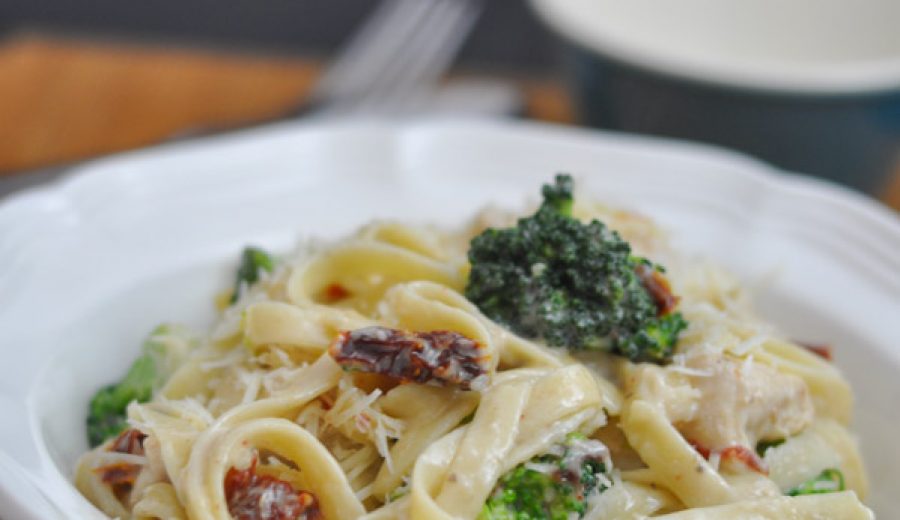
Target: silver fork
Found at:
x=396, y=57
x=390, y=66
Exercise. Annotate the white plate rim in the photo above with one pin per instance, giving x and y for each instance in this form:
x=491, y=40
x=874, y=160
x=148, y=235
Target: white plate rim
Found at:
x=27, y=209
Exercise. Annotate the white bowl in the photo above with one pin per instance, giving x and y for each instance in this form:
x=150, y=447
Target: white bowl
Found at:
x=91, y=264
x=801, y=46
x=809, y=85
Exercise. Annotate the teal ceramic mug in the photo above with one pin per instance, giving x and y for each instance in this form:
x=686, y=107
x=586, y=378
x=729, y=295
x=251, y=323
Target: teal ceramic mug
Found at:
x=812, y=86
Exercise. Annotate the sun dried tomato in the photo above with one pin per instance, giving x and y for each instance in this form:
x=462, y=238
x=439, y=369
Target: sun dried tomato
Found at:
x=439, y=356
x=120, y=477
x=658, y=287
x=334, y=293
x=262, y=497
x=129, y=441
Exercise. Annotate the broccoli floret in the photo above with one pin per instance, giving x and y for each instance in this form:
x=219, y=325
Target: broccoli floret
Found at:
x=161, y=352
x=550, y=486
x=829, y=481
x=572, y=284
x=655, y=341
x=559, y=195
x=253, y=260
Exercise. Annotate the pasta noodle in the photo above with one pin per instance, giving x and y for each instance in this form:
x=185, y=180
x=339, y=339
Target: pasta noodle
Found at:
x=259, y=420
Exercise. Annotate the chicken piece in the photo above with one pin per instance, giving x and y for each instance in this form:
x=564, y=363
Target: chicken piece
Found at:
x=742, y=402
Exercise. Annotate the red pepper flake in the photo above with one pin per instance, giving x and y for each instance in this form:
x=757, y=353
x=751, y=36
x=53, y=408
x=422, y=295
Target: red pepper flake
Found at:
x=334, y=293
x=737, y=452
x=120, y=476
x=822, y=350
x=440, y=356
x=262, y=497
x=327, y=402
x=658, y=286
x=702, y=450
x=747, y=456
x=130, y=441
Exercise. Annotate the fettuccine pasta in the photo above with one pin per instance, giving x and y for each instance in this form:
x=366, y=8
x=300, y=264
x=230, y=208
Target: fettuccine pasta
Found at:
x=270, y=416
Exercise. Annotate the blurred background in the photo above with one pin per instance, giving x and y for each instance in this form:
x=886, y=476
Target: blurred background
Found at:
x=79, y=79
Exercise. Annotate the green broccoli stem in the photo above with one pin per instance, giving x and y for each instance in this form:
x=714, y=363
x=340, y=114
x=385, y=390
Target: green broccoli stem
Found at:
x=101, y=424
x=106, y=411
x=253, y=260
x=830, y=480
x=763, y=446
